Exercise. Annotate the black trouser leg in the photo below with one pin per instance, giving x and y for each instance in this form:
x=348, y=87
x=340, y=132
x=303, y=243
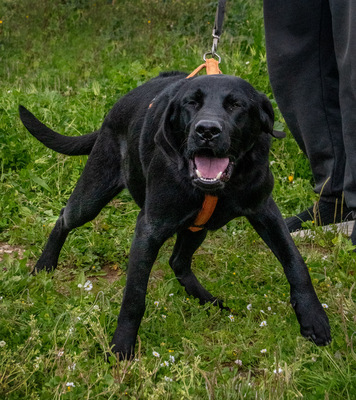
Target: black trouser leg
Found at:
x=305, y=81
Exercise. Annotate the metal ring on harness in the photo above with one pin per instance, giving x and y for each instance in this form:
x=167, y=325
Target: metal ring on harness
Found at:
x=213, y=55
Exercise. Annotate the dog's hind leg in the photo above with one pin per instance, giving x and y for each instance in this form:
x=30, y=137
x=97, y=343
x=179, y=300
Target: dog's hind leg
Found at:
x=187, y=243
x=100, y=181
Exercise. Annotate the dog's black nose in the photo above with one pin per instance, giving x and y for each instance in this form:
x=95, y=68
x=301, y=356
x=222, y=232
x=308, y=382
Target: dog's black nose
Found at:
x=208, y=130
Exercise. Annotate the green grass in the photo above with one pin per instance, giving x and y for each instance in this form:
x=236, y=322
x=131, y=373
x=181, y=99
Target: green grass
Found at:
x=68, y=62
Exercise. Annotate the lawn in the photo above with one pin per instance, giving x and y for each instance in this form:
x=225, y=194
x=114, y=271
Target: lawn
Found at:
x=68, y=62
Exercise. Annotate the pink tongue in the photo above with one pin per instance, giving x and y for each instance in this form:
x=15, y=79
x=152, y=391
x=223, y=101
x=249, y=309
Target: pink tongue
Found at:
x=209, y=167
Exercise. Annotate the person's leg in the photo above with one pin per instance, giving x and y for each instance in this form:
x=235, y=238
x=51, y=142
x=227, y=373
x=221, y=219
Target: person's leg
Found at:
x=304, y=77
x=344, y=33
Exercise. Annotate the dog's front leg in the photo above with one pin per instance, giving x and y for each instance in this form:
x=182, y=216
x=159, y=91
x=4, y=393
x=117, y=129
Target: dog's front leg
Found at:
x=143, y=253
x=312, y=318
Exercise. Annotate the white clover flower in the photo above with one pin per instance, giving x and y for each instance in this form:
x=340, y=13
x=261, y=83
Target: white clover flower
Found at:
x=238, y=362
x=80, y=285
x=263, y=323
x=325, y=305
x=269, y=309
x=2, y=343
x=72, y=367
x=264, y=351
x=96, y=307
x=155, y=354
x=231, y=317
x=165, y=364
x=279, y=371
x=156, y=303
x=249, y=307
x=70, y=385
x=167, y=379
x=88, y=286
x=172, y=359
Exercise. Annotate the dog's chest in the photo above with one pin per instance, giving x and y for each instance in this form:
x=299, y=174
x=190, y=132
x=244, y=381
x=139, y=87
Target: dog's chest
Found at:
x=224, y=212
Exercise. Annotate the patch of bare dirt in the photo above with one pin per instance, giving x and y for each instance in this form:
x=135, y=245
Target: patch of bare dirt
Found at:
x=6, y=248
x=113, y=273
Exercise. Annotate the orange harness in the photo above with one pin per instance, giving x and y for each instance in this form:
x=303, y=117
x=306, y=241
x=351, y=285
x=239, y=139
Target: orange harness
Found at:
x=211, y=65
x=212, y=68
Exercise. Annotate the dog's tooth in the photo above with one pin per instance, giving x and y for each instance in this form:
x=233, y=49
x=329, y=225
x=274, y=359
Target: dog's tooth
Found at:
x=218, y=176
x=198, y=173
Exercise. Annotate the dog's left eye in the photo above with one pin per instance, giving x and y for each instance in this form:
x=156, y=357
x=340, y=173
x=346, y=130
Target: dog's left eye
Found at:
x=233, y=106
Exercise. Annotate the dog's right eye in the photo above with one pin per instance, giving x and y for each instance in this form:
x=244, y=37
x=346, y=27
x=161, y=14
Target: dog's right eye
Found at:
x=193, y=103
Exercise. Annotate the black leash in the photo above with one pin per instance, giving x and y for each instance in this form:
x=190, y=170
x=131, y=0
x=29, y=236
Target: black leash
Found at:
x=217, y=30
x=219, y=19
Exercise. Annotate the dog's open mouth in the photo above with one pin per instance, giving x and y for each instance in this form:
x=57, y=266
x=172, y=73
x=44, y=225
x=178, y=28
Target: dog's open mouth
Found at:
x=209, y=172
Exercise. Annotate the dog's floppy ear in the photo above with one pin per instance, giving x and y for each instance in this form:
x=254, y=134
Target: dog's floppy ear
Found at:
x=267, y=117
x=169, y=134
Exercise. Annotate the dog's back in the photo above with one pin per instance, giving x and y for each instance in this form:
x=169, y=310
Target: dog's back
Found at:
x=126, y=113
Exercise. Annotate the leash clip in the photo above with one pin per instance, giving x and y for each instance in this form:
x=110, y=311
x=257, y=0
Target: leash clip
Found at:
x=216, y=39
x=217, y=29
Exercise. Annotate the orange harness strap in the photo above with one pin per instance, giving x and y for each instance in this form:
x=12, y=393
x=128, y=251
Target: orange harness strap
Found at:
x=209, y=204
x=205, y=213
x=211, y=65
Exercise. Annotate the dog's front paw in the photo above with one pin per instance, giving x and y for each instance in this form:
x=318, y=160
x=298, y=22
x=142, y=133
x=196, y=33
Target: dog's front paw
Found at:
x=314, y=323
x=123, y=344
x=45, y=264
x=120, y=354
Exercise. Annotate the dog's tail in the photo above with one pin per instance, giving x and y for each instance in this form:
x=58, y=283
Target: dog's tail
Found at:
x=69, y=145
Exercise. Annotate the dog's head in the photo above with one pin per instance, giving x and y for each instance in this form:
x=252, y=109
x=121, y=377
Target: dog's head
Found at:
x=211, y=123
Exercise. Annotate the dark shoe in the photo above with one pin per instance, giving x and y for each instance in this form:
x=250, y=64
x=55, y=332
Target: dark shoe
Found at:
x=353, y=233
x=322, y=213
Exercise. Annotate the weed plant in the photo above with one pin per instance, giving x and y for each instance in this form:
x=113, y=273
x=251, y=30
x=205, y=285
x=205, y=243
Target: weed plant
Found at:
x=68, y=61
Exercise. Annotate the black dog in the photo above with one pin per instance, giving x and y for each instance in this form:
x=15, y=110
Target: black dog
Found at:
x=171, y=142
